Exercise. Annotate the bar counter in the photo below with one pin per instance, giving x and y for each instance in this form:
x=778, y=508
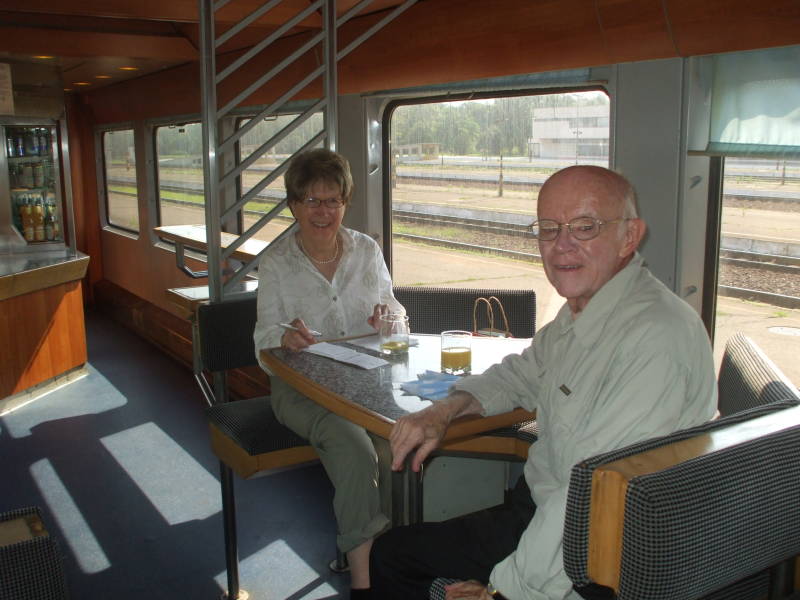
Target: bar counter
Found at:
x=41, y=320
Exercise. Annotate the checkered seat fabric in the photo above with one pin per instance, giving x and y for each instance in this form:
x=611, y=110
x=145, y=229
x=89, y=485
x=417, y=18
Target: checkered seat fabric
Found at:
x=526, y=431
x=436, y=591
x=31, y=569
x=434, y=309
x=252, y=425
x=226, y=334
x=748, y=378
x=705, y=528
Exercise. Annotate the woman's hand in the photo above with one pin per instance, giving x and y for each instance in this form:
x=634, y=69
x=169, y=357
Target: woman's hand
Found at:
x=297, y=340
x=375, y=319
x=471, y=589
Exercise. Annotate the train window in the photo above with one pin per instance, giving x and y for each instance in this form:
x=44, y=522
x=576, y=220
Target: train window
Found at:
x=254, y=175
x=465, y=180
x=758, y=289
x=179, y=170
x=119, y=171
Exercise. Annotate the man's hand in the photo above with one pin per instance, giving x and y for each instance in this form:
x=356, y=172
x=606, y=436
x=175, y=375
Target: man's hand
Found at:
x=423, y=430
x=473, y=590
x=375, y=319
x=426, y=428
x=297, y=340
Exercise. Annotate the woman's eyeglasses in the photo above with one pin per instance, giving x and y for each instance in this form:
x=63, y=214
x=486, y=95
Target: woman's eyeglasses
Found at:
x=334, y=202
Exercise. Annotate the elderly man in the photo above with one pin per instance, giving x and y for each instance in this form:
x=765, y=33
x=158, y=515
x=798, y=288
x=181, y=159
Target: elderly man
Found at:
x=624, y=360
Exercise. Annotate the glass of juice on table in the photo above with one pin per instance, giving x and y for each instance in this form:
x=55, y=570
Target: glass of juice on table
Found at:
x=393, y=333
x=456, y=352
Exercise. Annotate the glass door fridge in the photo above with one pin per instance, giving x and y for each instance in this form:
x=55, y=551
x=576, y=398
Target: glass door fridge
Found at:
x=31, y=217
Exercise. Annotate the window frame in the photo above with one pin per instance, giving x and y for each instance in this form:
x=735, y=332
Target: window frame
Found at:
x=102, y=176
x=393, y=104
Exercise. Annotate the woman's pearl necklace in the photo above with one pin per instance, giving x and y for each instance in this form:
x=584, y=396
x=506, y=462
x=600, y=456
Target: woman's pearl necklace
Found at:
x=320, y=262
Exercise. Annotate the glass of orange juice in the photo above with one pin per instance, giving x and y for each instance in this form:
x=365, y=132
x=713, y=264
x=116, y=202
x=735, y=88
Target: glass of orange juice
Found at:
x=456, y=352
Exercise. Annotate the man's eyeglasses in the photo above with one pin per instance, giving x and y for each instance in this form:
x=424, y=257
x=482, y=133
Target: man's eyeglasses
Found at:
x=334, y=202
x=581, y=228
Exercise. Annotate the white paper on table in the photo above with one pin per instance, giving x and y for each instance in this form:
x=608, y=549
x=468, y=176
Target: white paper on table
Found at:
x=346, y=355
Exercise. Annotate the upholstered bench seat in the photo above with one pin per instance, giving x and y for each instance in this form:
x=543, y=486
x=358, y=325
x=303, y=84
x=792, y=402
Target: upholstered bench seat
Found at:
x=246, y=435
x=705, y=526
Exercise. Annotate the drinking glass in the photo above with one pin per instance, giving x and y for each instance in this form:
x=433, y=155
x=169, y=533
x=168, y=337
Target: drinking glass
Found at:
x=456, y=352
x=393, y=333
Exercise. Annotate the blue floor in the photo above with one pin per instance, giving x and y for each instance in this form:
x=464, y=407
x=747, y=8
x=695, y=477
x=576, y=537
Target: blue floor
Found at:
x=120, y=465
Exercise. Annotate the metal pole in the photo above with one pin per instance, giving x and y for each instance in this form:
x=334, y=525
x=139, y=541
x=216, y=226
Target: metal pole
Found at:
x=210, y=158
x=331, y=80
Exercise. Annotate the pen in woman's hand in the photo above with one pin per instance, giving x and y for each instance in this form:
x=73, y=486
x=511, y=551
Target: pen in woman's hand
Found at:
x=293, y=328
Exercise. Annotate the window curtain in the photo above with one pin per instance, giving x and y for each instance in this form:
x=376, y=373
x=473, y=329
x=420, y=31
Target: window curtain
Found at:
x=755, y=106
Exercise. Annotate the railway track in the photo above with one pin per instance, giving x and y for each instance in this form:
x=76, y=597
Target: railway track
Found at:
x=766, y=278
x=770, y=279
x=487, y=180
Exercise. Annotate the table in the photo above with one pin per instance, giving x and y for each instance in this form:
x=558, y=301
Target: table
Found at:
x=373, y=398
x=194, y=236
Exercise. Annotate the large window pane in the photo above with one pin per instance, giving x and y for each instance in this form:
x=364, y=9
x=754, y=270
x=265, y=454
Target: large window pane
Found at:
x=270, y=195
x=179, y=160
x=465, y=181
x=122, y=206
x=761, y=222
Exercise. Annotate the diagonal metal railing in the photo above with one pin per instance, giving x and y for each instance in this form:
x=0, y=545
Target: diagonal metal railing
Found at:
x=224, y=193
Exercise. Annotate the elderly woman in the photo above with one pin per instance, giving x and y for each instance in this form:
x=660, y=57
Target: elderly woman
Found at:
x=334, y=280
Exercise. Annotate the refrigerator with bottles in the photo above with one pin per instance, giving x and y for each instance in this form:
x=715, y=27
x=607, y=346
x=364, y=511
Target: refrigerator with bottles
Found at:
x=31, y=215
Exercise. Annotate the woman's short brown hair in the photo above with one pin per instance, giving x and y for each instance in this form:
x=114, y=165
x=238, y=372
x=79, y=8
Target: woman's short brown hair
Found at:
x=314, y=166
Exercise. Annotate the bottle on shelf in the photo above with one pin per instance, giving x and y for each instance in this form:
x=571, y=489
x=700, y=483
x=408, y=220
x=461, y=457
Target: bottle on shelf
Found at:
x=19, y=200
x=31, y=143
x=50, y=226
x=14, y=175
x=38, y=175
x=19, y=141
x=44, y=141
x=26, y=180
x=56, y=223
x=26, y=209
x=38, y=219
x=11, y=145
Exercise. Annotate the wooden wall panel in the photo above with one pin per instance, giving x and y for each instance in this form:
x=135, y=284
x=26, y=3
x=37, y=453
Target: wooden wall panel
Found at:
x=43, y=335
x=439, y=41
x=731, y=25
x=169, y=333
x=84, y=187
x=635, y=28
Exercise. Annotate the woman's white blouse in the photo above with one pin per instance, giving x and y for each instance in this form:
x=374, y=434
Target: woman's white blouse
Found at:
x=290, y=286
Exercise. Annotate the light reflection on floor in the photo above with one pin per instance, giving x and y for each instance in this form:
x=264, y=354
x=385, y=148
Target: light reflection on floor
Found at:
x=163, y=471
x=82, y=541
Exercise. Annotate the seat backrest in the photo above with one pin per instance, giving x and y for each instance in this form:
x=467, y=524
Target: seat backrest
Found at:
x=748, y=378
x=435, y=309
x=225, y=330
x=690, y=513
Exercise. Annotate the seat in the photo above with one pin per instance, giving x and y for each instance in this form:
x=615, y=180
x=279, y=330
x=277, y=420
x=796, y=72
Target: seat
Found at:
x=245, y=435
x=708, y=512
x=31, y=562
x=436, y=309
x=748, y=378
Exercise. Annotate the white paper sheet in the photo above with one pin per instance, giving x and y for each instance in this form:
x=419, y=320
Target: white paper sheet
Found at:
x=346, y=355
